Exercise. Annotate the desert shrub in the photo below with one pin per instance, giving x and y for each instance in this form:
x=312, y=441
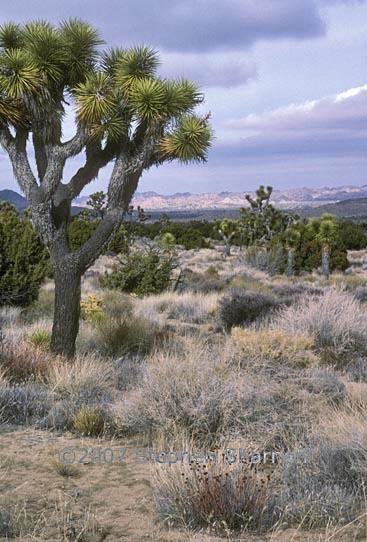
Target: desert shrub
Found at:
x=201, y=283
x=189, y=391
x=294, y=290
x=140, y=273
x=24, y=261
x=117, y=304
x=23, y=361
x=217, y=496
x=124, y=335
x=89, y=421
x=335, y=321
x=274, y=345
x=324, y=383
x=271, y=260
x=40, y=338
x=85, y=380
x=23, y=403
x=353, y=236
x=128, y=372
x=198, y=392
x=319, y=488
x=91, y=307
x=238, y=307
x=357, y=370
x=360, y=294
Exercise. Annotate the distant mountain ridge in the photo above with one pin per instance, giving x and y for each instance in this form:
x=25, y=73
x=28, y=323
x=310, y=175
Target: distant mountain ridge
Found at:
x=294, y=198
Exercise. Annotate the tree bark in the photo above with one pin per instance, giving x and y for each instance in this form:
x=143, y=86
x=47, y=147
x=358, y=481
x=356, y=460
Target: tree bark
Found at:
x=290, y=271
x=227, y=250
x=67, y=311
x=325, y=262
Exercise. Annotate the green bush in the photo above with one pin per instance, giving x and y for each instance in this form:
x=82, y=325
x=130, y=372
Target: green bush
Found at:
x=24, y=261
x=140, y=274
x=238, y=307
x=79, y=231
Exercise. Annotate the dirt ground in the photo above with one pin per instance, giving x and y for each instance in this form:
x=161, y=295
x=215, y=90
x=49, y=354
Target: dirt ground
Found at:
x=94, y=502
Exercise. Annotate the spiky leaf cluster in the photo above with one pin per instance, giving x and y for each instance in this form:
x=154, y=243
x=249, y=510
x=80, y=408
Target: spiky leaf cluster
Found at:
x=117, y=94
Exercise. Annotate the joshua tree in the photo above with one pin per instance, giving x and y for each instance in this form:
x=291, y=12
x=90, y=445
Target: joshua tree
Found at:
x=325, y=230
x=227, y=229
x=98, y=203
x=262, y=221
x=292, y=237
x=125, y=114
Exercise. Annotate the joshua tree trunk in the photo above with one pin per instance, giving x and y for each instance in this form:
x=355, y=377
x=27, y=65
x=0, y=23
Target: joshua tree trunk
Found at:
x=227, y=250
x=325, y=262
x=67, y=310
x=290, y=270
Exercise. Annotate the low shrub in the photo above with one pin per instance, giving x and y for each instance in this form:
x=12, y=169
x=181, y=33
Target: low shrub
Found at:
x=91, y=307
x=141, y=274
x=40, y=338
x=324, y=383
x=23, y=403
x=120, y=336
x=90, y=421
x=238, y=307
x=274, y=345
x=360, y=294
x=23, y=361
x=216, y=496
x=271, y=261
x=335, y=321
x=86, y=380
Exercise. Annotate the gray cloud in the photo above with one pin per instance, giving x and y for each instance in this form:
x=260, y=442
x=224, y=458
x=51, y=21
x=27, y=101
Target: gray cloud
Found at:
x=331, y=126
x=184, y=25
x=219, y=70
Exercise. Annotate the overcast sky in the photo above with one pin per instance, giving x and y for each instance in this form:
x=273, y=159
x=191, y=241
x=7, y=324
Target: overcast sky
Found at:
x=285, y=82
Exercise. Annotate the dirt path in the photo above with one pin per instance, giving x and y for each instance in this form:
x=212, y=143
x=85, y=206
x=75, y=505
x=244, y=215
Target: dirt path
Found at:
x=51, y=506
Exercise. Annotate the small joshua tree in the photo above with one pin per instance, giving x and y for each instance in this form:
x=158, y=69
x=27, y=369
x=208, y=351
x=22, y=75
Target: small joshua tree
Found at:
x=325, y=230
x=292, y=237
x=227, y=229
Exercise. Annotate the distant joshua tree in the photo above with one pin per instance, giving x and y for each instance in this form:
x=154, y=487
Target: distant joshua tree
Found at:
x=227, y=229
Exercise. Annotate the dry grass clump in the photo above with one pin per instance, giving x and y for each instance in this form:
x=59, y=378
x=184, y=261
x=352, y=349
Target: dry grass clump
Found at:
x=186, y=307
x=88, y=379
x=188, y=391
x=23, y=403
x=335, y=321
x=216, y=495
x=90, y=421
x=22, y=361
x=274, y=345
x=120, y=336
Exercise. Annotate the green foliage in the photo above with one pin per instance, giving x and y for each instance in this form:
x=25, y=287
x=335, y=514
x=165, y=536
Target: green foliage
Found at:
x=239, y=306
x=89, y=421
x=352, y=235
x=24, y=261
x=140, y=273
x=79, y=231
x=40, y=338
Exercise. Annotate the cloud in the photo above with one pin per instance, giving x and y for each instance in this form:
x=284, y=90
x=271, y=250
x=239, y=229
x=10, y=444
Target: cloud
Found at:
x=219, y=70
x=184, y=25
x=332, y=126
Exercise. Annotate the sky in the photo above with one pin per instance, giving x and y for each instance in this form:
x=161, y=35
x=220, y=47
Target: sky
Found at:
x=285, y=82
